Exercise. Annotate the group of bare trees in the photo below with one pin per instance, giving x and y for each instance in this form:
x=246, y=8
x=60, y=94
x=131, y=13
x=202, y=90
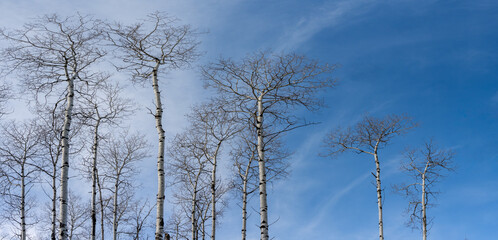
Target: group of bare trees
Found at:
x=79, y=114
x=426, y=166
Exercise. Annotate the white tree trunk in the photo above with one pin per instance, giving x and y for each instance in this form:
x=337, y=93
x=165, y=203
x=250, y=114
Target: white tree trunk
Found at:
x=213, y=192
x=263, y=211
x=94, y=180
x=160, y=157
x=54, y=203
x=23, y=203
x=244, y=209
x=115, y=210
x=424, y=203
x=101, y=198
x=65, y=160
x=379, y=195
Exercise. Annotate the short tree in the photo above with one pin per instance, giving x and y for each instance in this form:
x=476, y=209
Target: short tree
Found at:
x=425, y=166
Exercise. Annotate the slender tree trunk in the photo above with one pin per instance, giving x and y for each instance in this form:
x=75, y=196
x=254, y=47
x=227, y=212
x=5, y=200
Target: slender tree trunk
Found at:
x=244, y=209
x=160, y=156
x=194, y=209
x=54, y=203
x=101, y=208
x=213, y=193
x=115, y=211
x=424, y=216
x=262, y=174
x=94, y=180
x=23, y=203
x=379, y=194
x=65, y=160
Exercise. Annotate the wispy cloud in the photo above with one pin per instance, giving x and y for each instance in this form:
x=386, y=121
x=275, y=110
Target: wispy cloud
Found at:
x=327, y=15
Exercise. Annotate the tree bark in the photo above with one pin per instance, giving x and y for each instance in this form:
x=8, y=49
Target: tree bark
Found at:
x=94, y=180
x=424, y=217
x=379, y=194
x=54, y=203
x=65, y=159
x=213, y=193
x=262, y=173
x=115, y=210
x=160, y=156
x=244, y=209
x=23, y=202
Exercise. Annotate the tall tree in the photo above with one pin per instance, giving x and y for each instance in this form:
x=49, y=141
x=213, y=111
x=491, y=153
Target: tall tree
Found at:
x=154, y=43
x=368, y=137
x=264, y=88
x=425, y=166
x=19, y=161
x=52, y=54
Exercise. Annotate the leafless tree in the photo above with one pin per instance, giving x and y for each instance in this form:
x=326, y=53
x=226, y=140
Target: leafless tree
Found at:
x=145, y=47
x=120, y=156
x=52, y=54
x=268, y=86
x=78, y=217
x=19, y=158
x=246, y=180
x=212, y=126
x=5, y=95
x=50, y=124
x=139, y=219
x=367, y=137
x=425, y=166
x=101, y=106
x=190, y=173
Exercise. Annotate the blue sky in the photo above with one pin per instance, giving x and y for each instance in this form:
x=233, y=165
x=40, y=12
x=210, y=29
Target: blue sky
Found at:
x=436, y=61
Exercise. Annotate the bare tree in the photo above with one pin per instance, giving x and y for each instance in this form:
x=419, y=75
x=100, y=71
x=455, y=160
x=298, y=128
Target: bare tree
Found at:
x=190, y=172
x=120, y=156
x=425, y=166
x=50, y=124
x=51, y=54
x=367, y=137
x=146, y=47
x=246, y=179
x=5, y=95
x=212, y=126
x=139, y=219
x=78, y=217
x=102, y=106
x=267, y=86
x=19, y=150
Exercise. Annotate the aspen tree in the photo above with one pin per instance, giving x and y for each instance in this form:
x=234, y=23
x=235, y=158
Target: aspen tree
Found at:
x=368, y=137
x=426, y=166
x=51, y=55
x=19, y=158
x=148, y=48
x=264, y=88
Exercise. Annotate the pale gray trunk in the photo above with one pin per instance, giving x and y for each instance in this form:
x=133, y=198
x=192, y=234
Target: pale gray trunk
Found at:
x=94, y=180
x=54, y=203
x=23, y=203
x=262, y=174
x=244, y=209
x=379, y=194
x=213, y=193
x=115, y=210
x=65, y=160
x=424, y=216
x=102, y=230
x=194, y=208
x=160, y=156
